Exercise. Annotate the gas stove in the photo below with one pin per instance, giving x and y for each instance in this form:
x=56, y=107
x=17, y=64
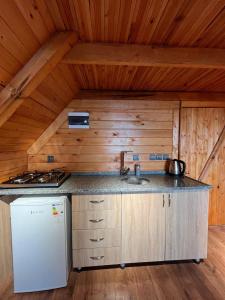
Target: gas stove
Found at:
x=34, y=179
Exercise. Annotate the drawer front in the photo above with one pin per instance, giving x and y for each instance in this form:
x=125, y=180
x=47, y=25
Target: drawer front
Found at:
x=96, y=202
x=96, y=219
x=97, y=238
x=96, y=257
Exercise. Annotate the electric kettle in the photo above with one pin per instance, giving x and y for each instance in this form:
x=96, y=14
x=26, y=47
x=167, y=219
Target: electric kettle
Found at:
x=177, y=167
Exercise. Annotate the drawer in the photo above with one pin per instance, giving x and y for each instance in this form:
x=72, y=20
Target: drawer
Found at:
x=96, y=257
x=97, y=238
x=96, y=202
x=96, y=219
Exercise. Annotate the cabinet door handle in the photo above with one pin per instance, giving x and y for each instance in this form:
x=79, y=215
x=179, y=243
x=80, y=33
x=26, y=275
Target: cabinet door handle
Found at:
x=96, y=201
x=97, y=257
x=169, y=200
x=96, y=220
x=97, y=240
x=163, y=200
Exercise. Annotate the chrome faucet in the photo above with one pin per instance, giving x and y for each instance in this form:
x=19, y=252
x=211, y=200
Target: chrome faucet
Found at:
x=123, y=170
x=137, y=170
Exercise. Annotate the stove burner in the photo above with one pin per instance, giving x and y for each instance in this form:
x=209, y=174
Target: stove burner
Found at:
x=44, y=178
x=19, y=180
x=36, y=179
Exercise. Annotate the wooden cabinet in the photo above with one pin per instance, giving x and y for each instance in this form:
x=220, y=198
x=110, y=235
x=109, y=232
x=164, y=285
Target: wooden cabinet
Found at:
x=143, y=228
x=157, y=227
x=132, y=228
x=96, y=230
x=186, y=225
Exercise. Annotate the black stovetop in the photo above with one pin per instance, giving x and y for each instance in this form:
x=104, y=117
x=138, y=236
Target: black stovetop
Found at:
x=53, y=178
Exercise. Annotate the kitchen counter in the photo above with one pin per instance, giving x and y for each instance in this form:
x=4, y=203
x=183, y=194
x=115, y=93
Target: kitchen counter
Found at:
x=100, y=184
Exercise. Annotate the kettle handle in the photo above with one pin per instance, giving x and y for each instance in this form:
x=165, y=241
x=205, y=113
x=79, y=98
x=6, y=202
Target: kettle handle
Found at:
x=183, y=166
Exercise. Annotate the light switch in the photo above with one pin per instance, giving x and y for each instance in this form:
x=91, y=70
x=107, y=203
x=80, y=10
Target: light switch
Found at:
x=135, y=157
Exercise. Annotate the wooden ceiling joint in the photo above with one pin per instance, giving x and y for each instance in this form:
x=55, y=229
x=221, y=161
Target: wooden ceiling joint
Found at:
x=34, y=72
x=145, y=56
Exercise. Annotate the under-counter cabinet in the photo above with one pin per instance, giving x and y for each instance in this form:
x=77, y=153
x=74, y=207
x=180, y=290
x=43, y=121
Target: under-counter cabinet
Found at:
x=132, y=228
x=169, y=226
x=96, y=234
x=143, y=228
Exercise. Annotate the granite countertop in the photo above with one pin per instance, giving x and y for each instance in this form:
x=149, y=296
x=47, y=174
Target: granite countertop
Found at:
x=112, y=184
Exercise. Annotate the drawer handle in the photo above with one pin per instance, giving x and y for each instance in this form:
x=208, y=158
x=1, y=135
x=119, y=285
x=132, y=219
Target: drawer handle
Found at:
x=97, y=257
x=169, y=200
x=96, y=201
x=96, y=220
x=97, y=240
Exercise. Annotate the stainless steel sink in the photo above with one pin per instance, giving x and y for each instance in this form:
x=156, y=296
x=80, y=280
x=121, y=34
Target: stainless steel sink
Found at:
x=136, y=180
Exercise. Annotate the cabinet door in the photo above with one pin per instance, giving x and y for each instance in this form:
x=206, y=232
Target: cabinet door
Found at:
x=186, y=225
x=143, y=228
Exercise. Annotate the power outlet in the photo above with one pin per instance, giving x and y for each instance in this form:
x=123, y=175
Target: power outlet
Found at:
x=166, y=156
x=152, y=156
x=156, y=156
x=50, y=158
x=159, y=156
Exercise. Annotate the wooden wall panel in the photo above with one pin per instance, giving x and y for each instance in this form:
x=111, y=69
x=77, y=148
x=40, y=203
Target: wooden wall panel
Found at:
x=32, y=118
x=5, y=244
x=200, y=129
x=142, y=126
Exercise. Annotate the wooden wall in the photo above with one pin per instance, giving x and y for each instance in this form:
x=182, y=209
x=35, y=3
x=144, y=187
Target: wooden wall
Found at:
x=32, y=118
x=115, y=125
x=200, y=129
x=5, y=244
x=24, y=27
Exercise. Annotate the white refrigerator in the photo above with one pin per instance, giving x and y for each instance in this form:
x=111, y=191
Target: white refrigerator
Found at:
x=41, y=242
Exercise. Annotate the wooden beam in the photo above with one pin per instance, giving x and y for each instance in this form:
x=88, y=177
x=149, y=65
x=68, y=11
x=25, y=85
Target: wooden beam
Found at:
x=212, y=155
x=194, y=98
x=33, y=73
x=203, y=104
x=9, y=110
x=147, y=56
x=127, y=95
x=48, y=133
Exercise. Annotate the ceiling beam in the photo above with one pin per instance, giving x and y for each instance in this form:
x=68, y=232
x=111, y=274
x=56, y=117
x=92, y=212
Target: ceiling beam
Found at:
x=34, y=72
x=189, y=99
x=146, y=56
x=48, y=133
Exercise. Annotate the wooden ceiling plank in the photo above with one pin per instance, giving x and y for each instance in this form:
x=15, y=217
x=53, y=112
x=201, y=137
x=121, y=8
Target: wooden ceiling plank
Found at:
x=32, y=16
x=33, y=73
x=9, y=111
x=142, y=55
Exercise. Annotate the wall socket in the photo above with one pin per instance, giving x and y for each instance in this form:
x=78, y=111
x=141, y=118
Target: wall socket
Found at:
x=50, y=158
x=158, y=156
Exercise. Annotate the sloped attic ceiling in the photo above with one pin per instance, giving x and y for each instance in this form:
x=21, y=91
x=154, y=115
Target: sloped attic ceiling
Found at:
x=185, y=23
x=26, y=25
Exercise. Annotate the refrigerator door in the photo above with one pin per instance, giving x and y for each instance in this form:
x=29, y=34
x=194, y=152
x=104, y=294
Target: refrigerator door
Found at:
x=39, y=244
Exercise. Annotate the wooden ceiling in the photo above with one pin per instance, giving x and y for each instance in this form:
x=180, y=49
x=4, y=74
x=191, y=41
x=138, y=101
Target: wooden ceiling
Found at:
x=27, y=24
x=145, y=78
x=161, y=22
